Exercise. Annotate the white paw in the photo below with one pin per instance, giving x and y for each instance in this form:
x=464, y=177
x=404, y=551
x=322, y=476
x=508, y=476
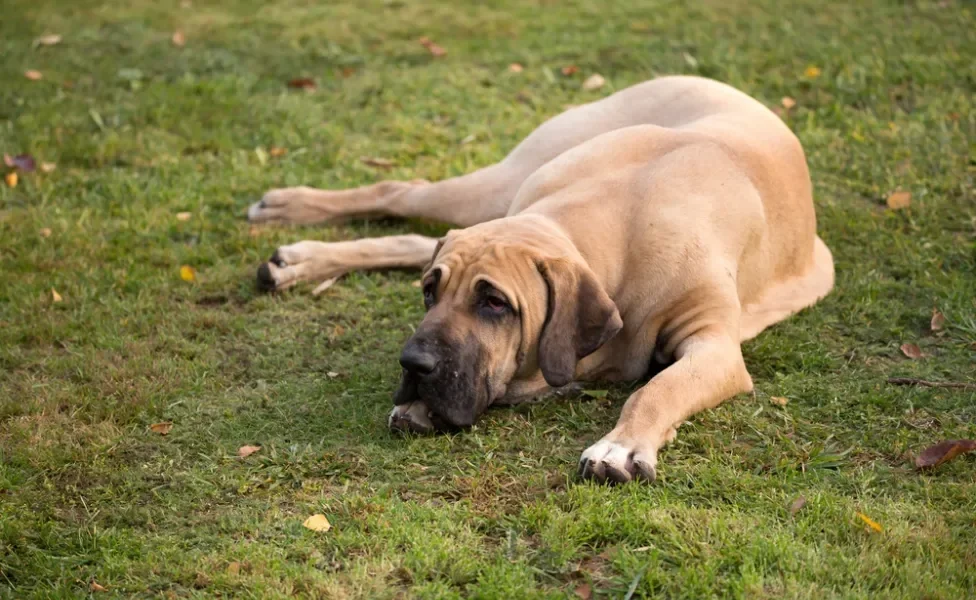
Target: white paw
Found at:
x=617, y=460
x=411, y=417
x=304, y=261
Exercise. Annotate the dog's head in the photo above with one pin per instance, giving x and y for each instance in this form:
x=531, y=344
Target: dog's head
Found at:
x=504, y=300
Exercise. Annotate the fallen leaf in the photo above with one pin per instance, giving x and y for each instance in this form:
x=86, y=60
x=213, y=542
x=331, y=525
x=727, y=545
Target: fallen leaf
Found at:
x=11, y=179
x=22, y=162
x=201, y=581
x=45, y=232
x=584, y=591
x=187, y=273
x=788, y=102
x=332, y=374
x=595, y=394
x=569, y=70
x=183, y=216
x=594, y=82
x=812, y=72
x=912, y=351
x=50, y=39
x=373, y=161
x=253, y=231
x=870, y=522
x=33, y=75
x=234, y=568
x=779, y=401
x=275, y=151
x=899, y=200
x=262, y=155
x=347, y=72
x=797, y=505
x=515, y=68
x=48, y=167
x=305, y=83
x=433, y=48
x=245, y=451
x=55, y=296
x=938, y=320
x=178, y=39
x=95, y=587
x=317, y=523
x=942, y=452
x=162, y=428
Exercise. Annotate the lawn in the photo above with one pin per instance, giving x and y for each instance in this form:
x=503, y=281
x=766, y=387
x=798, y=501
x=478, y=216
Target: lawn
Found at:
x=142, y=129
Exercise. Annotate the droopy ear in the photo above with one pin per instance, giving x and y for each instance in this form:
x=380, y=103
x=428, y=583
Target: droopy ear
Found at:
x=433, y=257
x=580, y=318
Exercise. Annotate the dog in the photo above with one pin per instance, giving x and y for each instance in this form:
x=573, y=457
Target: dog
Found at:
x=659, y=227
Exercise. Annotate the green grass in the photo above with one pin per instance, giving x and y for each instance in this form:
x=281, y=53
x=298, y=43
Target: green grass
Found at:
x=141, y=130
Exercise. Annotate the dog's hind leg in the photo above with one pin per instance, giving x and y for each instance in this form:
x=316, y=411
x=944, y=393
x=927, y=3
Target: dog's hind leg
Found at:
x=324, y=262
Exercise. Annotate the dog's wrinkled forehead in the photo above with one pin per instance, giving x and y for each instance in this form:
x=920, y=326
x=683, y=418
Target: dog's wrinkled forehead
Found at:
x=464, y=260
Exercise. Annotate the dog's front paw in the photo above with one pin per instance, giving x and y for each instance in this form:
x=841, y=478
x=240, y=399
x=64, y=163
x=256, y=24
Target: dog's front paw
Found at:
x=617, y=459
x=415, y=417
x=294, y=205
x=304, y=261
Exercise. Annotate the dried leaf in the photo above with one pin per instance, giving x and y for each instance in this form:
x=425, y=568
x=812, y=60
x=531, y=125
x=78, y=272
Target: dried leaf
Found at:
x=942, y=452
x=11, y=179
x=245, y=451
x=201, y=581
x=48, y=167
x=938, y=320
x=812, y=72
x=33, y=75
x=874, y=525
x=779, y=400
x=788, y=102
x=374, y=161
x=912, y=351
x=95, y=587
x=254, y=231
x=234, y=568
x=178, y=39
x=275, y=151
x=595, y=394
x=570, y=70
x=332, y=374
x=899, y=200
x=584, y=591
x=45, y=232
x=347, y=72
x=183, y=216
x=433, y=48
x=50, y=39
x=304, y=83
x=594, y=82
x=187, y=273
x=515, y=68
x=262, y=155
x=162, y=428
x=797, y=505
x=22, y=162
x=55, y=296
x=317, y=523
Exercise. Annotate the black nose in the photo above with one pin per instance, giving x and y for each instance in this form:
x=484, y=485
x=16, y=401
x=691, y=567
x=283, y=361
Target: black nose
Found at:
x=417, y=359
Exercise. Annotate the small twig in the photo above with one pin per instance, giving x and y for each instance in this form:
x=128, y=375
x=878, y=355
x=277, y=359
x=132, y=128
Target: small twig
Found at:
x=936, y=384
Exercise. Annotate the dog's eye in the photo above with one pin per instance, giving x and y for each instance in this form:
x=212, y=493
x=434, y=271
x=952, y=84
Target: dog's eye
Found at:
x=429, y=295
x=495, y=304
